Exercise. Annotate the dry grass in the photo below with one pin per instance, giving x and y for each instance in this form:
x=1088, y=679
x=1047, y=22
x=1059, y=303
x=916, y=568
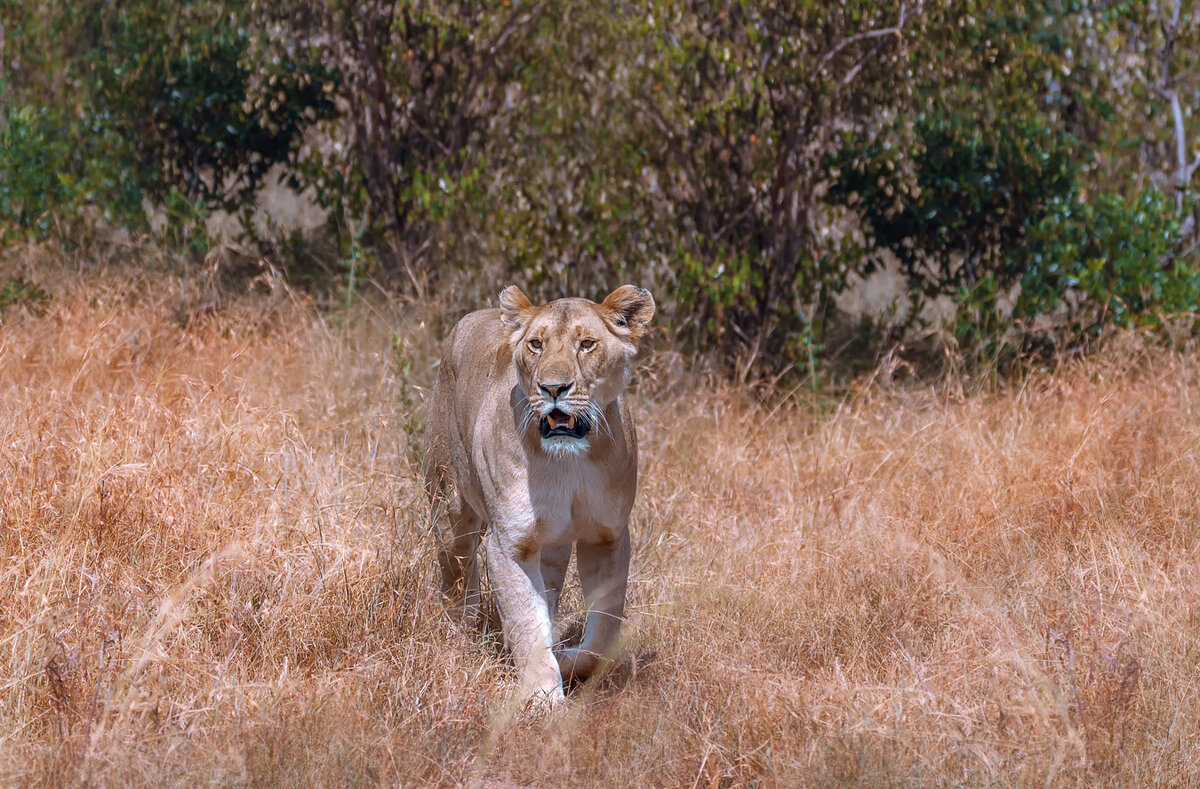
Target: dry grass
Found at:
x=214, y=570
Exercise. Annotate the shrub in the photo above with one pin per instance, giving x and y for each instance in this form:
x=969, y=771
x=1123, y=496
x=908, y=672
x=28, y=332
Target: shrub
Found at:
x=55, y=168
x=422, y=83
x=35, y=159
x=954, y=202
x=209, y=107
x=1109, y=259
x=188, y=105
x=981, y=214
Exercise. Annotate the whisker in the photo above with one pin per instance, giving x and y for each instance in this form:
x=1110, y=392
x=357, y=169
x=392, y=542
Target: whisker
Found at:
x=527, y=419
x=596, y=415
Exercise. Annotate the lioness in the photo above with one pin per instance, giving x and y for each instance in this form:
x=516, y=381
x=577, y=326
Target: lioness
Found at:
x=530, y=446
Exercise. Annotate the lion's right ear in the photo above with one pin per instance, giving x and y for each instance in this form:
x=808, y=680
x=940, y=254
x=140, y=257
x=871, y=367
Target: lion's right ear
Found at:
x=515, y=307
x=628, y=309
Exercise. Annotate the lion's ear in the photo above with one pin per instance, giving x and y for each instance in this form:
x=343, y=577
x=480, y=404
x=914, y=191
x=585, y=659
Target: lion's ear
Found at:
x=630, y=309
x=515, y=307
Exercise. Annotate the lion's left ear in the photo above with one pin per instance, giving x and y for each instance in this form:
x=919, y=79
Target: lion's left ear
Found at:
x=515, y=307
x=630, y=309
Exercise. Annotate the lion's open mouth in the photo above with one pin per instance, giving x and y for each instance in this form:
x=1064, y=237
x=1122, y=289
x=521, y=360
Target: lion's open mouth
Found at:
x=560, y=423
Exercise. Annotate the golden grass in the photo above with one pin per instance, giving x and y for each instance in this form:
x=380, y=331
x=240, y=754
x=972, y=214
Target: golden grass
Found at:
x=214, y=570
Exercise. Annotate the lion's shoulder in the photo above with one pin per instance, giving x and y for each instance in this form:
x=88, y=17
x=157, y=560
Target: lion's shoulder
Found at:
x=477, y=346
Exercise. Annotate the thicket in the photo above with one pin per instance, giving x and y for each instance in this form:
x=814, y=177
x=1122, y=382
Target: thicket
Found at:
x=1030, y=164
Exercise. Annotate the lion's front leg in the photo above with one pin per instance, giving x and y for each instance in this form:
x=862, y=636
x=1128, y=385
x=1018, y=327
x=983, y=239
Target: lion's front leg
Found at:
x=603, y=574
x=524, y=616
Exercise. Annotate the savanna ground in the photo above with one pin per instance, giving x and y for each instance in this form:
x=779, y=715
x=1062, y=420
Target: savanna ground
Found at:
x=215, y=566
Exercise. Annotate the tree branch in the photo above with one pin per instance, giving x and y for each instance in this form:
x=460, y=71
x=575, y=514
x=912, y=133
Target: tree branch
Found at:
x=897, y=30
x=1183, y=171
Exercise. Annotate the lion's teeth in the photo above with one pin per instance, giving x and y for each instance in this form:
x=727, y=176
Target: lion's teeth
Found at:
x=570, y=422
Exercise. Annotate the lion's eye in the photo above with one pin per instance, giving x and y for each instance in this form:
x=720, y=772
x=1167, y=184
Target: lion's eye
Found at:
x=587, y=345
x=535, y=345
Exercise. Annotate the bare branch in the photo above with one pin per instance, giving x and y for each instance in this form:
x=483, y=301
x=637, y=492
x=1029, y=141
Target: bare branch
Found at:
x=1180, y=140
x=881, y=33
x=1183, y=170
x=886, y=32
x=853, y=72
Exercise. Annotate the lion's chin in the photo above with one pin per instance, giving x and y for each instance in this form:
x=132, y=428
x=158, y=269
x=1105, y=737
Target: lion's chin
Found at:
x=560, y=446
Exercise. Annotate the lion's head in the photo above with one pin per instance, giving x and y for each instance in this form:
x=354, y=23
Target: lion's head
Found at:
x=573, y=359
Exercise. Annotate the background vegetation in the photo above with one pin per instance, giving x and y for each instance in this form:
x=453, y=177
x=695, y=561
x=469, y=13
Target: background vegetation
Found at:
x=1029, y=167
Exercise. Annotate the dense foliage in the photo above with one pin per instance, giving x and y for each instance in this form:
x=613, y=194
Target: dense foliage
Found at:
x=1033, y=164
x=178, y=107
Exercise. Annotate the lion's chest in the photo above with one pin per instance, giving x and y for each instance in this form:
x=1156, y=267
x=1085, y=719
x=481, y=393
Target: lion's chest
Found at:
x=575, y=501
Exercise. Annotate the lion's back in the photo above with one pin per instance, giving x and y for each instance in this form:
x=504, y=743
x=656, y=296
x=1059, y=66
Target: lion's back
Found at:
x=470, y=361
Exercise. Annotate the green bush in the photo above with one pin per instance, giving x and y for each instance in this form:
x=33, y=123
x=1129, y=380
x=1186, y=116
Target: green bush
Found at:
x=209, y=107
x=1108, y=259
x=736, y=108
x=185, y=105
x=19, y=292
x=422, y=83
x=953, y=203
x=54, y=169
x=37, y=183
x=979, y=214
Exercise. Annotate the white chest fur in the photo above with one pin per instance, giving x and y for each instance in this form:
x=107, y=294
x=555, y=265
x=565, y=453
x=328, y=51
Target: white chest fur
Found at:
x=572, y=499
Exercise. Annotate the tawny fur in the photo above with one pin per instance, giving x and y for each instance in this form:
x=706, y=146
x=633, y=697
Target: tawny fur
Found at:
x=493, y=475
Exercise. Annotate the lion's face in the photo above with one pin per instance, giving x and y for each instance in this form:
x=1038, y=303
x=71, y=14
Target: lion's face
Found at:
x=573, y=359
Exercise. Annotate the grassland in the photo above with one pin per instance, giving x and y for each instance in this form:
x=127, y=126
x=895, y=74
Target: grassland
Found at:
x=214, y=567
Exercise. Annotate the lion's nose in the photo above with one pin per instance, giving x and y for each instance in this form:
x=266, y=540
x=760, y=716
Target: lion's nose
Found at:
x=556, y=390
